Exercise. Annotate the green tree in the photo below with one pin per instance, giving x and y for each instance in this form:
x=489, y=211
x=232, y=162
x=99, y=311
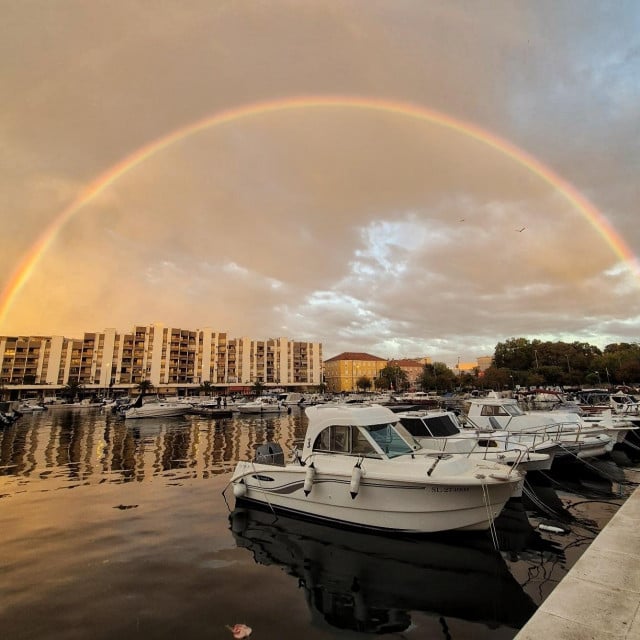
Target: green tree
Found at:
x=393, y=377
x=72, y=390
x=438, y=377
x=144, y=387
x=515, y=353
x=364, y=383
x=497, y=378
x=206, y=387
x=258, y=388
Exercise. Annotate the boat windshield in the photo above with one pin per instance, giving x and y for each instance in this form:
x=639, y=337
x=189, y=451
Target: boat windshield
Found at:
x=430, y=426
x=514, y=410
x=388, y=437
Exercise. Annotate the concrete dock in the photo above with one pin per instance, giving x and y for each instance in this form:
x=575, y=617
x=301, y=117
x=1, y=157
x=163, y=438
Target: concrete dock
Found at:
x=599, y=599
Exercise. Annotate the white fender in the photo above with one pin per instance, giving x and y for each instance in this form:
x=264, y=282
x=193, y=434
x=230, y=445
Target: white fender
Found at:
x=308, y=479
x=240, y=489
x=356, y=476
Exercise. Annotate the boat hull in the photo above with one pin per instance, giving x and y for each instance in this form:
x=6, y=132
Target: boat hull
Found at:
x=385, y=504
x=159, y=412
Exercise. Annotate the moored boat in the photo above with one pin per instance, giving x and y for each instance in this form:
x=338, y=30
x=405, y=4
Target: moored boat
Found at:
x=440, y=430
x=574, y=437
x=360, y=466
x=263, y=404
x=154, y=407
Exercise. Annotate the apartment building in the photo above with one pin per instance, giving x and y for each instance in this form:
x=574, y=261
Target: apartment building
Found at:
x=166, y=356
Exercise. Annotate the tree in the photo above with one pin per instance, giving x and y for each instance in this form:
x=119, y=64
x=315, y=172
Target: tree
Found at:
x=144, y=387
x=72, y=389
x=206, y=387
x=438, y=377
x=497, y=378
x=258, y=388
x=364, y=383
x=393, y=377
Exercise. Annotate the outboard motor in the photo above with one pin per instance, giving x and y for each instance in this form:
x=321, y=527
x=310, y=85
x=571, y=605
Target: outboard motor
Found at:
x=270, y=453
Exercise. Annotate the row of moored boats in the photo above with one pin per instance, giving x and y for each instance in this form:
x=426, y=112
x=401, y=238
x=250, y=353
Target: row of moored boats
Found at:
x=420, y=470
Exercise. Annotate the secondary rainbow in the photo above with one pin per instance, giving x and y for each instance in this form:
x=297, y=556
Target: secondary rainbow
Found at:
x=29, y=262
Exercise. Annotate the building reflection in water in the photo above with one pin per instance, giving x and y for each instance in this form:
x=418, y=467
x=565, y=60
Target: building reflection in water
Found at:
x=82, y=446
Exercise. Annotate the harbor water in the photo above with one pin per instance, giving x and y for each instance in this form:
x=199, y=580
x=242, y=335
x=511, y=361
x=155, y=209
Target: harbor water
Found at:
x=127, y=529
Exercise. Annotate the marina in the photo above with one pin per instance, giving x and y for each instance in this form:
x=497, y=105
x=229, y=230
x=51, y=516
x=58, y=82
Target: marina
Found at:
x=115, y=527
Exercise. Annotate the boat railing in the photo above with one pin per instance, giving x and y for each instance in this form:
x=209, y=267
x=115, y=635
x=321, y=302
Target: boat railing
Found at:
x=536, y=436
x=565, y=431
x=485, y=448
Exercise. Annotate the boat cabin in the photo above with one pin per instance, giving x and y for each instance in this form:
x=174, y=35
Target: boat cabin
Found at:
x=369, y=431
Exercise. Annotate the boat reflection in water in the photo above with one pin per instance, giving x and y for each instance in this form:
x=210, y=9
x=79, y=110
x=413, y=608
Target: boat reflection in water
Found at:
x=371, y=582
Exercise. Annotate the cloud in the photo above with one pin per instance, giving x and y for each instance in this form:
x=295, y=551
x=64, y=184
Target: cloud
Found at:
x=363, y=230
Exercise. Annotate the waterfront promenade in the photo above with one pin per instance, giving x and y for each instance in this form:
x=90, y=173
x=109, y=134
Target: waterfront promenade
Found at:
x=599, y=599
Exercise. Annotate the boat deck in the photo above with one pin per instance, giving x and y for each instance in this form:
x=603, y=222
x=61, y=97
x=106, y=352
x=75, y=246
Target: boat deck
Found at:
x=599, y=598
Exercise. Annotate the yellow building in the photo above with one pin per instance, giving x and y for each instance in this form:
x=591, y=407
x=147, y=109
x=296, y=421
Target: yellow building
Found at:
x=342, y=372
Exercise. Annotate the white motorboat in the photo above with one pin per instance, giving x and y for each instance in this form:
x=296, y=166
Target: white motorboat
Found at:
x=574, y=436
x=360, y=466
x=440, y=430
x=263, y=404
x=27, y=406
x=154, y=407
x=623, y=404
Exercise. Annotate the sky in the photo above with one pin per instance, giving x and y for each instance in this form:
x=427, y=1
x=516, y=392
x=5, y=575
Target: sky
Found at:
x=399, y=177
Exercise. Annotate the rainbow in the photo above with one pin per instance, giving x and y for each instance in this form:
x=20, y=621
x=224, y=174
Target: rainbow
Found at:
x=29, y=262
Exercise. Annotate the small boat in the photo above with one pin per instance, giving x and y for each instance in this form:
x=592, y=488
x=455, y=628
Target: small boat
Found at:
x=7, y=415
x=27, y=406
x=359, y=466
x=623, y=404
x=154, y=407
x=575, y=438
x=440, y=430
x=263, y=404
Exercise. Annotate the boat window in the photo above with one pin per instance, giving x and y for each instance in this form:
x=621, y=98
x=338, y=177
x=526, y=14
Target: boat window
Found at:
x=389, y=440
x=360, y=445
x=493, y=410
x=344, y=439
x=340, y=438
x=407, y=437
x=323, y=441
x=442, y=425
x=416, y=427
x=514, y=410
x=487, y=443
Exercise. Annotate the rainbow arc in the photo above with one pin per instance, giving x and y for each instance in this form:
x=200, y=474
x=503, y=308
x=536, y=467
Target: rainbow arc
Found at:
x=591, y=214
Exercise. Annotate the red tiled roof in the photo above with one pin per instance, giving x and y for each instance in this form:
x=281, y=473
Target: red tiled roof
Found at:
x=354, y=355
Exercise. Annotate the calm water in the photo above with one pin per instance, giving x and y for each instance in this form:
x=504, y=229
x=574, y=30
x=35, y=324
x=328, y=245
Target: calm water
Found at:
x=114, y=529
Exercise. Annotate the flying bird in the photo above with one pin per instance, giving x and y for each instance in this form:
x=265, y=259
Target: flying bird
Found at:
x=521, y=230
